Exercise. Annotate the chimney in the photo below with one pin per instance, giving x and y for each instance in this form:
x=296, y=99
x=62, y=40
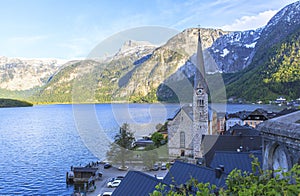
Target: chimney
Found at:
x=218, y=172
x=222, y=168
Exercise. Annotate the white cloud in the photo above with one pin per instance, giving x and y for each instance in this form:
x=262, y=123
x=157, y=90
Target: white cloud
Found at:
x=250, y=22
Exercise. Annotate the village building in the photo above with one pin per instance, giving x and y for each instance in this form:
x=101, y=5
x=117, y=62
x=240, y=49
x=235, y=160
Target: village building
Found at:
x=251, y=118
x=233, y=119
x=220, y=128
x=256, y=117
x=281, y=141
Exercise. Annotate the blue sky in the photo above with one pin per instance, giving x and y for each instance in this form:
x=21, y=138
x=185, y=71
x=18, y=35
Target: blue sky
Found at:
x=71, y=29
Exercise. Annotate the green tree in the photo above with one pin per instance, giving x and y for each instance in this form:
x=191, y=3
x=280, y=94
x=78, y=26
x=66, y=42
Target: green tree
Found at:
x=257, y=182
x=162, y=127
x=120, y=149
x=149, y=156
x=157, y=138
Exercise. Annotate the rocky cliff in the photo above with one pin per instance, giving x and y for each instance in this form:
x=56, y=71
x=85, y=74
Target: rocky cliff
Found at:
x=23, y=74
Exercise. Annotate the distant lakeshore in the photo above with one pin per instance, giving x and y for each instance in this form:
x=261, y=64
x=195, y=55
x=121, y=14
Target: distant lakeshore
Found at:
x=8, y=103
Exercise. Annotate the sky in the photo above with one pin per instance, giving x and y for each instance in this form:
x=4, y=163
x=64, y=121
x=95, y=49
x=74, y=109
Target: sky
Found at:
x=71, y=29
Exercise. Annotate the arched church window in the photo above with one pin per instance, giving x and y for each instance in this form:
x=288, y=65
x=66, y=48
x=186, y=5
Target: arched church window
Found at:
x=182, y=139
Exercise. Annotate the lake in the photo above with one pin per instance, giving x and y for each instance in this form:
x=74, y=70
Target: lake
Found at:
x=39, y=144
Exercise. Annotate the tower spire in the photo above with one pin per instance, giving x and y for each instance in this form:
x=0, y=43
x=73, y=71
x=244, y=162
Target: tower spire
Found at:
x=200, y=102
x=200, y=69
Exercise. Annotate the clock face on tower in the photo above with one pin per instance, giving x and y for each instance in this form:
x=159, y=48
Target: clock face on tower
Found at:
x=199, y=91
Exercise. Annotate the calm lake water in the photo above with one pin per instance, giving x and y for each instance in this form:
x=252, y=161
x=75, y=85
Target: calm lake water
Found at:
x=39, y=144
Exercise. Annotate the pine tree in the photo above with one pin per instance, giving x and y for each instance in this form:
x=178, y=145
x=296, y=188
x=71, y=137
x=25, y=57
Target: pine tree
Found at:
x=120, y=149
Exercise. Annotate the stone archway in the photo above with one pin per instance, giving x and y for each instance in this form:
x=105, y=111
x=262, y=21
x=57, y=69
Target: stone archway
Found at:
x=278, y=157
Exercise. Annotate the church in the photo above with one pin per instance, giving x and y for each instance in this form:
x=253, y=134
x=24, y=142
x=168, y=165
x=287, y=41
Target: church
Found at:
x=191, y=121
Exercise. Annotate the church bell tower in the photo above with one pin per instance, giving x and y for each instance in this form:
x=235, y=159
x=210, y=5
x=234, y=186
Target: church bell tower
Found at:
x=200, y=102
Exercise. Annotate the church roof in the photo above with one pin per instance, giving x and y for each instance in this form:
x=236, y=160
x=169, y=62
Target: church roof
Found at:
x=172, y=116
x=188, y=109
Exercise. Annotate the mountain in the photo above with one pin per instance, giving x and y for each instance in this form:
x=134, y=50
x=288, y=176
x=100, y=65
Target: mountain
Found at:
x=94, y=81
x=274, y=64
x=256, y=65
x=132, y=74
x=24, y=74
x=231, y=52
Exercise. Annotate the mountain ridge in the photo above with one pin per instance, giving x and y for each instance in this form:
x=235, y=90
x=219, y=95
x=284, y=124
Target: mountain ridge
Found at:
x=142, y=72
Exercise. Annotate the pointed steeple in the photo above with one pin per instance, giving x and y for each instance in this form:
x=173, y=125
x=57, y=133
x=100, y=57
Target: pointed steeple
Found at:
x=199, y=80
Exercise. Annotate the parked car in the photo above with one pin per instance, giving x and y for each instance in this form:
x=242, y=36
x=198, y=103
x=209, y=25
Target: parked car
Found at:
x=159, y=177
x=155, y=167
x=106, y=194
x=107, y=165
x=119, y=178
x=113, y=184
x=163, y=166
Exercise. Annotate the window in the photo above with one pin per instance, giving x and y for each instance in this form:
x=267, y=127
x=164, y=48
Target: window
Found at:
x=182, y=153
x=200, y=102
x=182, y=140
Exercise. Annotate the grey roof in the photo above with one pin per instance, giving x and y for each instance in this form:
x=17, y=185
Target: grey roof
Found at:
x=259, y=114
x=242, y=130
x=136, y=183
x=286, y=125
x=241, y=115
x=286, y=111
x=182, y=172
x=85, y=169
x=234, y=160
x=212, y=143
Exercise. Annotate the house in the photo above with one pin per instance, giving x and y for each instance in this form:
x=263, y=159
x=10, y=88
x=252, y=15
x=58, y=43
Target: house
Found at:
x=280, y=100
x=231, y=160
x=220, y=127
x=83, y=174
x=251, y=118
x=233, y=119
x=257, y=116
x=142, y=143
